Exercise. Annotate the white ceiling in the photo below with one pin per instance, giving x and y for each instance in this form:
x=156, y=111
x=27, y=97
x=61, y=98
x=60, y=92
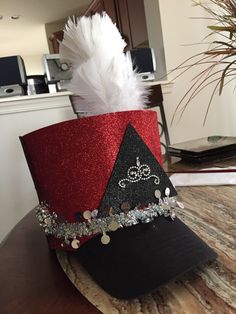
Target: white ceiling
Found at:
x=17, y=34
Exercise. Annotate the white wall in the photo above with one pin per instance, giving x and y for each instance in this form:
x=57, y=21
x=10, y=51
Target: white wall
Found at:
x=33, y=61
x=30, y=43
x=17, y=193
x=34, y=64
x=180, y=30
x=155, y=36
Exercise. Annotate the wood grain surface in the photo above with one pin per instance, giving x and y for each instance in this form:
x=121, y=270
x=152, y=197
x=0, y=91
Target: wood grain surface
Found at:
x=211, y=213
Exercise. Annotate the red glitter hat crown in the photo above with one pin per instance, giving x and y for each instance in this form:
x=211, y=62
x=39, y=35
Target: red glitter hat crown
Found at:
x=71, y=162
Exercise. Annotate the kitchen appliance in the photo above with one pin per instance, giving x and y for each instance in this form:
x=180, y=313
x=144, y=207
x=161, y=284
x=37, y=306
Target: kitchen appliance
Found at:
x=144, y=63
x=57, y=72
x=12, y=76
x=36, y=85
x=11, y=90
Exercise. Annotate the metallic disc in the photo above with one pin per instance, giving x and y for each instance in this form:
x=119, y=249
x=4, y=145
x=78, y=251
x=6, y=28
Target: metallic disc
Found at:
x=75, y=244
x=113, y=226
x=105, y=239
x=157, y=194
x=87, y=215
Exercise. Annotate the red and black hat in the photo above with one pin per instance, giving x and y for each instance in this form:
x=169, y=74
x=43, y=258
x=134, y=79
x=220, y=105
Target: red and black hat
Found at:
x=104, y=197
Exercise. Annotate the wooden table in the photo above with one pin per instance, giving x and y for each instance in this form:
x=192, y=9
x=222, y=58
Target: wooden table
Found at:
x=32, y=280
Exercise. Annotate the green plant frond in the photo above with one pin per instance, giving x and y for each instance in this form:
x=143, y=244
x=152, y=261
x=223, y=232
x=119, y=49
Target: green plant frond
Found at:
x=186, y=95
x=203, y=73
x=200, y=62
x=186, y=66
x=187, y=60
x=218, y=62
x=209, y=103
x=202, y=18
x=223, y=43
x=213, y=33
x=193, y=92
x=229, y=81
x=199, y=90
x=183, y=109
x=223, y=35
x=228, y=52
x=204, y=84
x=224, y=73
x=222, y=28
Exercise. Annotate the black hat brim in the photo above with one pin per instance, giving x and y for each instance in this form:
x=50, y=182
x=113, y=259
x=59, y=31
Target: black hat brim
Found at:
x=141, y=258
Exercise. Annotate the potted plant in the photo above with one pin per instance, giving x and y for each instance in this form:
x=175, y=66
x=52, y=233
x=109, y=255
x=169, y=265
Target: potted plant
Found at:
x=219, y=61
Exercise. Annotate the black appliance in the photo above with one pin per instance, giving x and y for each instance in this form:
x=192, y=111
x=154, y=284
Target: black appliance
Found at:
x=13, y=80
x=36, y=85
x=144, y=63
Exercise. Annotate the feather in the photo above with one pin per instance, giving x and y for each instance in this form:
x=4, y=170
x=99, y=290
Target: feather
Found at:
x=102, y=74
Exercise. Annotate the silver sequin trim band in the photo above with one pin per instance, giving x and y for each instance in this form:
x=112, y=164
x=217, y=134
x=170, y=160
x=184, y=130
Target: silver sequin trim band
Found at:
x=70, y=232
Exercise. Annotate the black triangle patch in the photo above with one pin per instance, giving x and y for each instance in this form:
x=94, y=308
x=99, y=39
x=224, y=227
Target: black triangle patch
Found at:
x=135, y=176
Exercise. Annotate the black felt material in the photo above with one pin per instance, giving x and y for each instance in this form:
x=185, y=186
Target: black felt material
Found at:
x=141, y=258
x=141, y=192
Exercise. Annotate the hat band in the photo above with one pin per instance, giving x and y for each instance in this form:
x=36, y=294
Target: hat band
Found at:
x=69, y=233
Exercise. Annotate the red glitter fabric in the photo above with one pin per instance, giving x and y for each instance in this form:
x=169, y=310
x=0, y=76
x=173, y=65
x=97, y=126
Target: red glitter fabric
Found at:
x=71, y=162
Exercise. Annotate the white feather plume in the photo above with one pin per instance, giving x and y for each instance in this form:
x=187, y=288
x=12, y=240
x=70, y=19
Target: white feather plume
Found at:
x=102, y=74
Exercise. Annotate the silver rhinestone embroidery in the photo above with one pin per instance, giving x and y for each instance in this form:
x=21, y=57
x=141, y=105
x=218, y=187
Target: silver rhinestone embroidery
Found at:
x=138, y=173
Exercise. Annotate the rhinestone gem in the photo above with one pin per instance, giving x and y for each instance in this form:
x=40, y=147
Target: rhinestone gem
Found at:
x=48, y=221
x=167, y=191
